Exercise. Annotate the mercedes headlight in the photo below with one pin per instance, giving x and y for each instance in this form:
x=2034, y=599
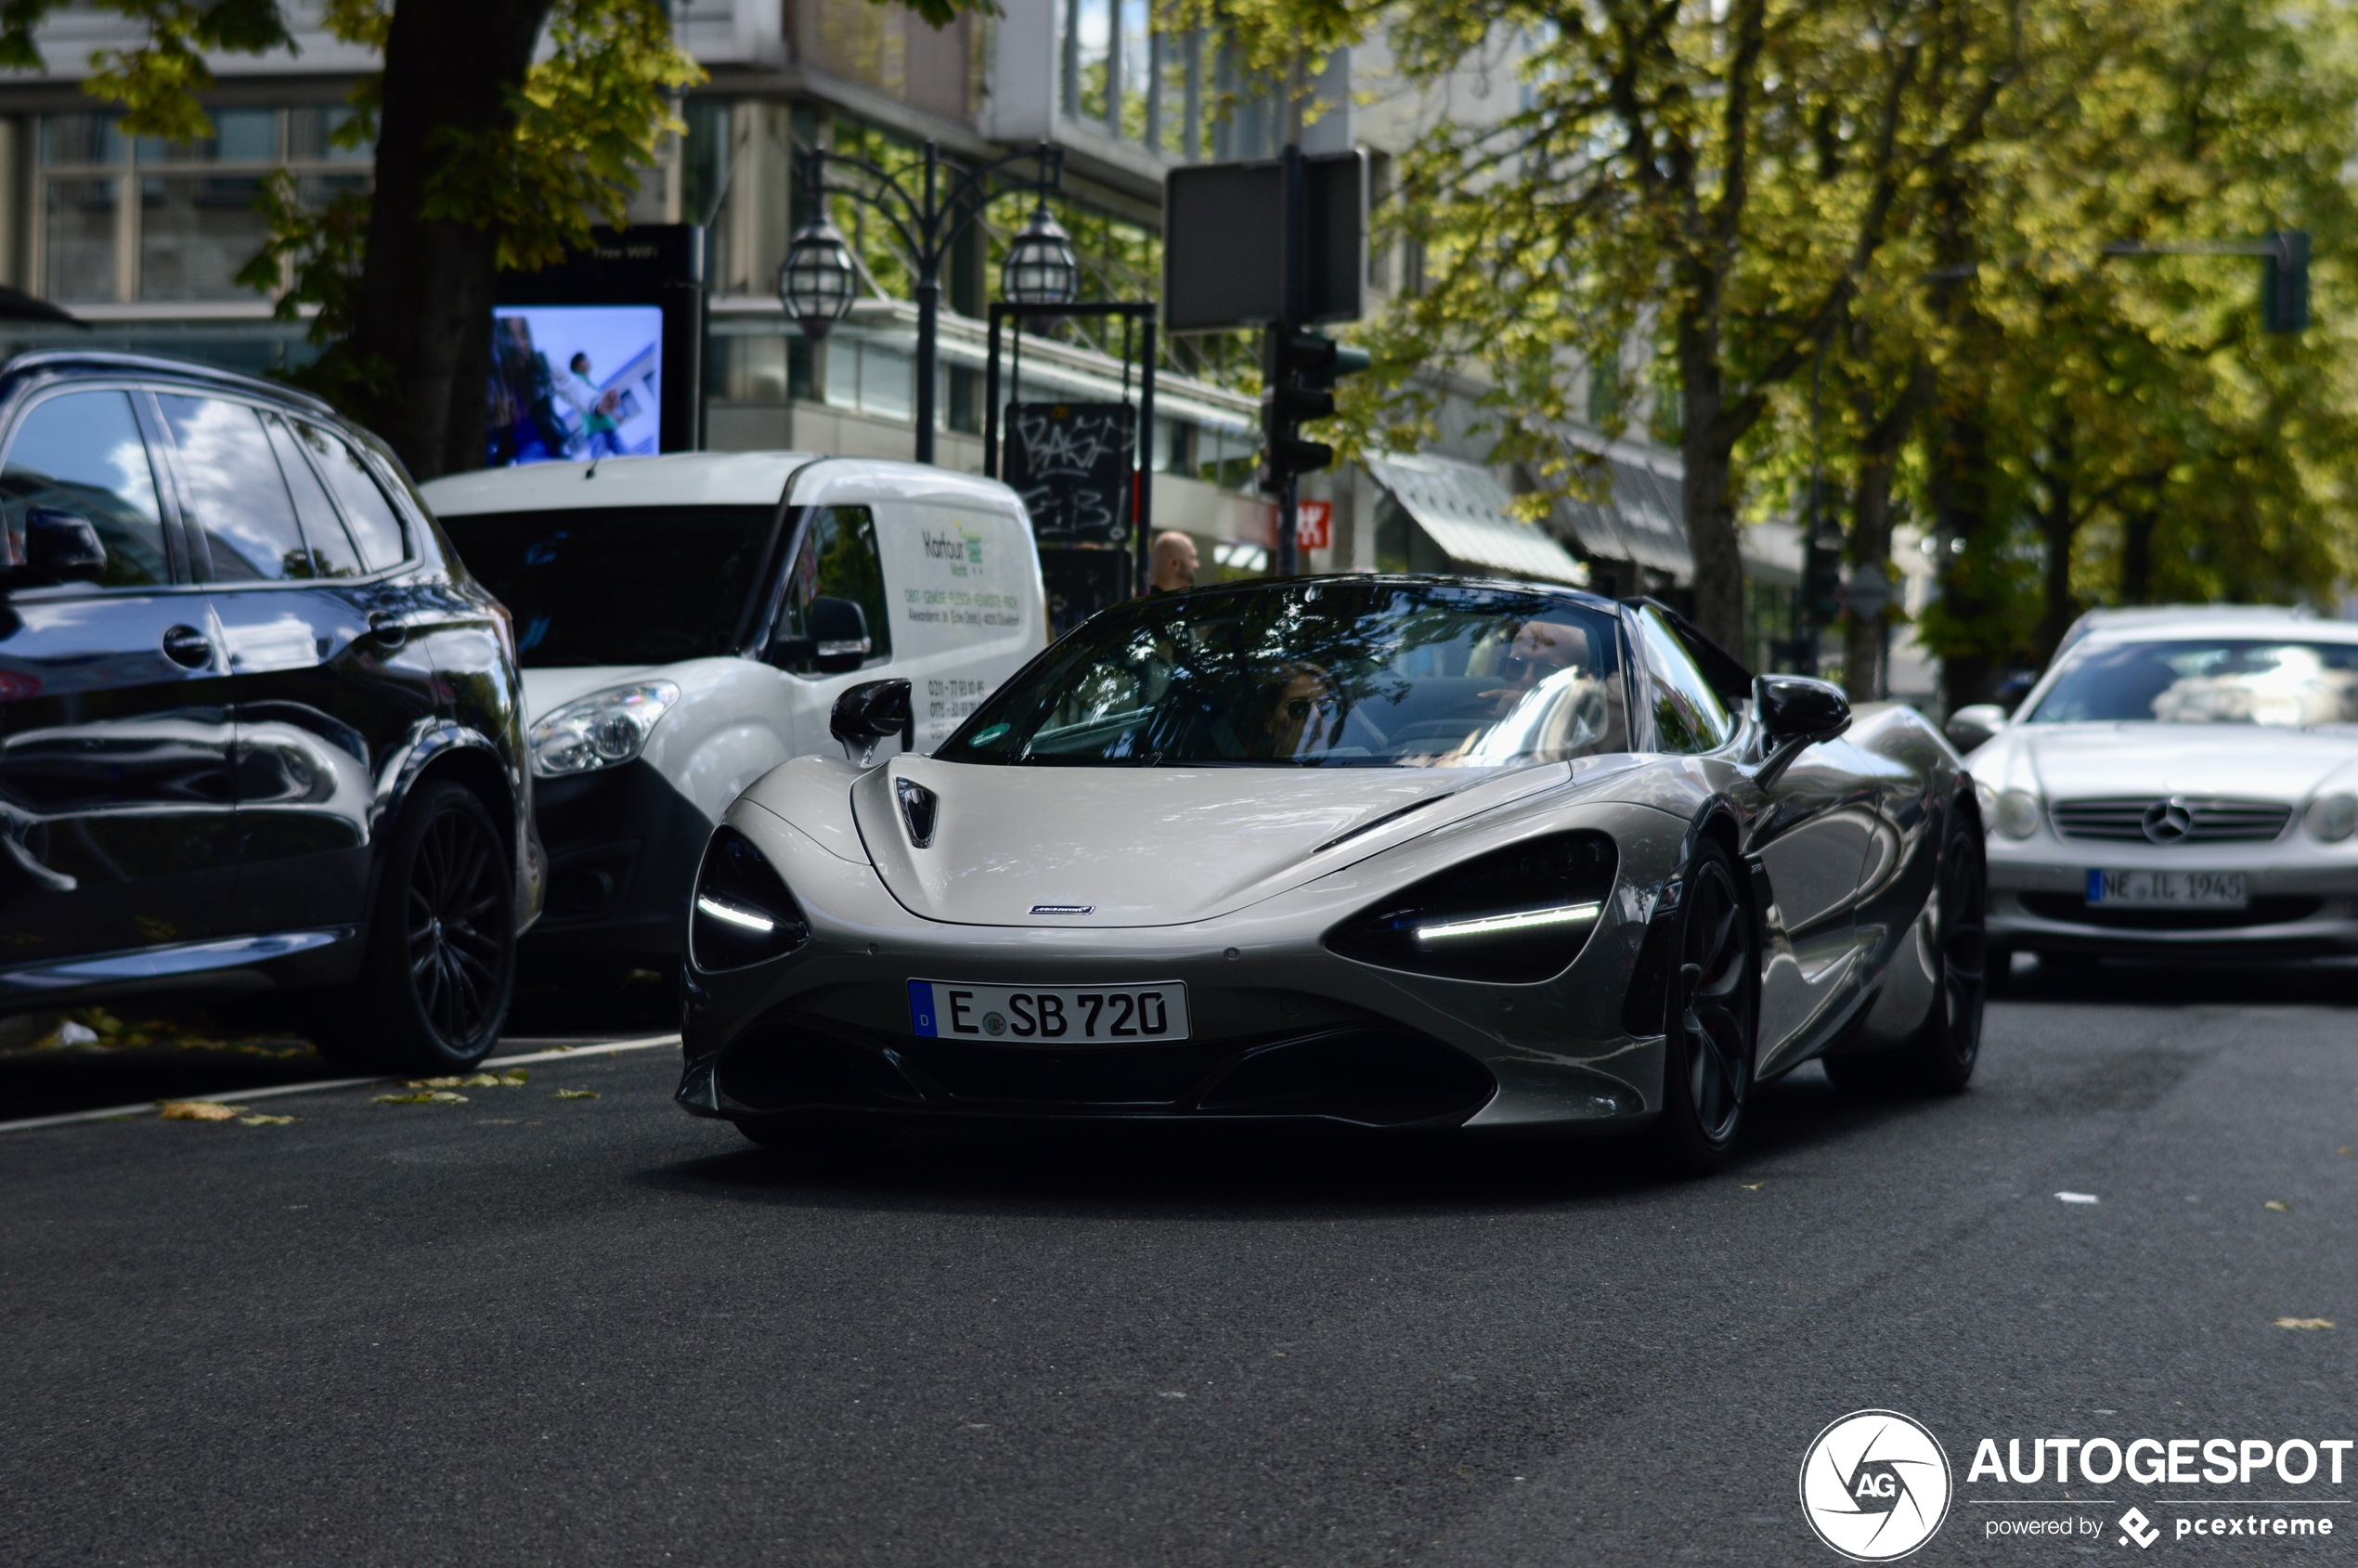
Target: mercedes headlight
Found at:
x=1520, y=914
x=2332, y=817
x=599, y=729
x=2017, y=813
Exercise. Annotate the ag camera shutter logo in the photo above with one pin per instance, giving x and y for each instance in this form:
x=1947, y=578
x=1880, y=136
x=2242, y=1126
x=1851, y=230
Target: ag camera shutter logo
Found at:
x=1875, y=1486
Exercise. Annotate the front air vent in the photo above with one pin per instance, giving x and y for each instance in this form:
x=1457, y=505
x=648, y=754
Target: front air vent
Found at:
x=2171, y=820
x=920, y=807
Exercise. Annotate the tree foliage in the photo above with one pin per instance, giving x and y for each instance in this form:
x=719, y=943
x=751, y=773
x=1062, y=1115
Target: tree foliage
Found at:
x=1878, y=230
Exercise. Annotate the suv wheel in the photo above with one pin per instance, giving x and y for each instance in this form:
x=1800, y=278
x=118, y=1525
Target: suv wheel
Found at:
x=442, y=943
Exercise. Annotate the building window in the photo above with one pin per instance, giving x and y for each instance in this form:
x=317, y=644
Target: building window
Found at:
x=127, y=220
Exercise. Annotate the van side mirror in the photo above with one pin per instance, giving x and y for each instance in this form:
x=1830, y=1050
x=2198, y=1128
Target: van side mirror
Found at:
x=837, y=640
x=872, y=712
x=59, y=547
x=1796, y=713
x=1973, y=725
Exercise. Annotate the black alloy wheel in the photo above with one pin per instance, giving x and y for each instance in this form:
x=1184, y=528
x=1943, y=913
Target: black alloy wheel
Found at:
x=1712, y=1015
x=1939, y=1057
x=442, y=945
x=1949, y=1043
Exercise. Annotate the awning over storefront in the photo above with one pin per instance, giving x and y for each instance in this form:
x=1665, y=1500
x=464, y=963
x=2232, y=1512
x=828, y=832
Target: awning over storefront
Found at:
x=1464, y=510
x=1639, y=517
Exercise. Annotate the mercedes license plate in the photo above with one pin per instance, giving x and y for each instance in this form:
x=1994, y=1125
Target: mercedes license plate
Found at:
x=2170, y=889
x=1061, y=1015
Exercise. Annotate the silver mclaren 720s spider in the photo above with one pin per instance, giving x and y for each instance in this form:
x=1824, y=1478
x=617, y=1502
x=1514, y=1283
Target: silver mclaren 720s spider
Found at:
x=1392, y=852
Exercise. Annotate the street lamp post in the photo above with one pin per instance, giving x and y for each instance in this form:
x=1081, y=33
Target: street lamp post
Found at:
x=818, y=282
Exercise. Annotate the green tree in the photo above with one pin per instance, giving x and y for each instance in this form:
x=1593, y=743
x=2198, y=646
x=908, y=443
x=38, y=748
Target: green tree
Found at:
x=1720, y=180
x=483, y=159
x=2120, y=421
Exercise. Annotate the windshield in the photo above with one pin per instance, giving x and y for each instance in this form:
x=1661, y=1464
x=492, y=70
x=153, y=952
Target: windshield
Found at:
x=2211, y=681
x=619, y=584
x=1354, y=673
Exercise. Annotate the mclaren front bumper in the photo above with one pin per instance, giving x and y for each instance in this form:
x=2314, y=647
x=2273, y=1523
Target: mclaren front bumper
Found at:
x=1282, y=1027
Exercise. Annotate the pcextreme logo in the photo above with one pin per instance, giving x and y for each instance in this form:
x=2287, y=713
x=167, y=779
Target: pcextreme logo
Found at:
x=1875, y=1486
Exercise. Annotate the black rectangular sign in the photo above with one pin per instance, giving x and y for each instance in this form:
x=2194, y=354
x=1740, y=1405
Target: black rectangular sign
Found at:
x=1074, y=464
x=1222, y=245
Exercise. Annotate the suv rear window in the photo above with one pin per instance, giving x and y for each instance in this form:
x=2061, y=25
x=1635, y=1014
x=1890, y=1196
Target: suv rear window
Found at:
x=619, y=585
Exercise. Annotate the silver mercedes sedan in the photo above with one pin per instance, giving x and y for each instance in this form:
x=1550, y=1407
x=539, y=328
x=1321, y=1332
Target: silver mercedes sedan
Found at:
x=2179, y=783
x=1393, y=852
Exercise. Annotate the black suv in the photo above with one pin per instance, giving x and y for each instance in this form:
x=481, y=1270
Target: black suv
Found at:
x=258, y=727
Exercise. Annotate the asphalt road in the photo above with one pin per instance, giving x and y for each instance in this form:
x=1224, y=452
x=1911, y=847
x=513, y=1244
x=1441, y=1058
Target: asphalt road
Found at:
x=532, y=1329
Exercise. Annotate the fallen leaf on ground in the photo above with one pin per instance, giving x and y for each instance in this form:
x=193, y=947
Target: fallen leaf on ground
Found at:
x=514, y=1075
x=2078, y=1197
x=263, y=1120
x=427, y=1097
x=2303, y=1323
x=577, y=1093
x=451, y=1082
x=1752, y=1186
x=479, y=1080
x=2347, y=1152
x=2279, y=1205
x=197, y=1111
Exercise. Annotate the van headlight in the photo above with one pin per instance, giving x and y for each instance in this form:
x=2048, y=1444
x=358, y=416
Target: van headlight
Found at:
x=2332, y=817
x=599, y=729
x=2017, y=813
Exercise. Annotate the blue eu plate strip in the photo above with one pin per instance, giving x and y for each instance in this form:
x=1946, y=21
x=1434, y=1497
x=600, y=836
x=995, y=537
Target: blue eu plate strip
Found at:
x=920, y=1009
x=2095, y=886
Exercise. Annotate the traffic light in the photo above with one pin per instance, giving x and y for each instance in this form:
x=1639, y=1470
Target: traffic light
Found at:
x=2283, y=283
x=1821, y=576
x=1301, y=370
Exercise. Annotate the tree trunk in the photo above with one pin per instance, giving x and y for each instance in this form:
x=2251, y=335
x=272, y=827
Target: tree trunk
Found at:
x=2137, y=556
x=2058, y=522
x=424, y=315
x=1878, y=454
x=1707, y=447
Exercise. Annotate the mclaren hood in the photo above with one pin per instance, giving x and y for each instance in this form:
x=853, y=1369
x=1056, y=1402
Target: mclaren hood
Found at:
x=1143, y=846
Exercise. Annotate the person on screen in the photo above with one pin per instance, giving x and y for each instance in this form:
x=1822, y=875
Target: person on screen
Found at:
x=598, y=425
x=524, y=423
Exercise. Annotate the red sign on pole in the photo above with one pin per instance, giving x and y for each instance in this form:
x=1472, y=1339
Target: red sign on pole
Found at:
x=1312, y=525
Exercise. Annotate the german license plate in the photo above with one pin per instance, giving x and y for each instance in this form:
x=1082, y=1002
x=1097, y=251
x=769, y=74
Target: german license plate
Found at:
x=2170, y=889
x=1102, y=1014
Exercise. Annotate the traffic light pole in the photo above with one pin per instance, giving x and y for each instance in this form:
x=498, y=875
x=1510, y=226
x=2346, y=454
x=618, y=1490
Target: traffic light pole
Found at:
x=1294, y=251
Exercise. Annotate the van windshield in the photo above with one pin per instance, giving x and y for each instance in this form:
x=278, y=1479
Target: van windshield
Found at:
x=619, y=585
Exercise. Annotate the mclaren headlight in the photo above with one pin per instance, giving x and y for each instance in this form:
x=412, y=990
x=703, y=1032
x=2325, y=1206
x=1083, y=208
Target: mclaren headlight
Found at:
x=599, y=729
x=1520, y=914
x=742, y=913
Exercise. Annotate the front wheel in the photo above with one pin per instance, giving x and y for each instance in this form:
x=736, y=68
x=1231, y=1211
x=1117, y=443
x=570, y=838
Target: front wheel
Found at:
x=1940, y=1056
x=1712, y=1015
x=442, y=943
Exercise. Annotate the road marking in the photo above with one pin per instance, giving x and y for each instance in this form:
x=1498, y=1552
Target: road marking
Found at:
x=147, y=1107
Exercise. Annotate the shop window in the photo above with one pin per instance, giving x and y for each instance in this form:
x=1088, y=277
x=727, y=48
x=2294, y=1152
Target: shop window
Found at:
x=147, y=219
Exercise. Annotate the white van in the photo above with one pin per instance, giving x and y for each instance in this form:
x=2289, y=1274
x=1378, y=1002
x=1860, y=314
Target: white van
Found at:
x=686, y=622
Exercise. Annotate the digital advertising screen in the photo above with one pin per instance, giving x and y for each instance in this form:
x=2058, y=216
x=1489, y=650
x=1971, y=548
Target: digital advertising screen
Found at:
x=570, y=382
